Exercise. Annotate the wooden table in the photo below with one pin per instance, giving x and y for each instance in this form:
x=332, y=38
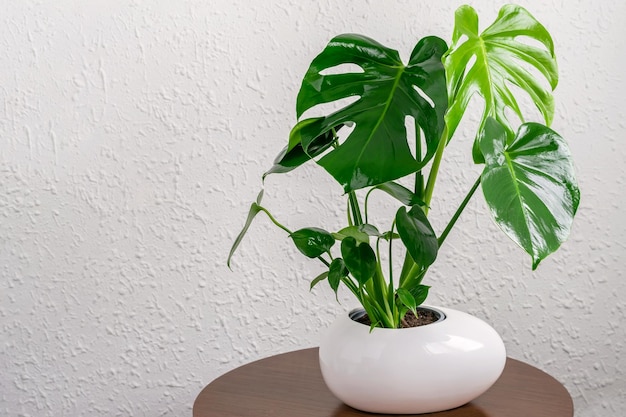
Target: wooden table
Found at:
x=291, y=385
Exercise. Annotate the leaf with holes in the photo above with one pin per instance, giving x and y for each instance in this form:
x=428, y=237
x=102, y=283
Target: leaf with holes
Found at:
x=529, y=186
x=377, y=150
x=499, y=59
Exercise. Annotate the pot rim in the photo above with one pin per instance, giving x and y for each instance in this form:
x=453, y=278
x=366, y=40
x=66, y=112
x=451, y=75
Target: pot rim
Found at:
x=359, y=312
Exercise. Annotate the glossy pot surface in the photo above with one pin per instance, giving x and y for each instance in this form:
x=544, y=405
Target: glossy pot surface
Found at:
x=424, y=369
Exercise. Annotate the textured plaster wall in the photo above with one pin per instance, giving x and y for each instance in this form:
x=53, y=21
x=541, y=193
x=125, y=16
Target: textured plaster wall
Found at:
x=132, y=138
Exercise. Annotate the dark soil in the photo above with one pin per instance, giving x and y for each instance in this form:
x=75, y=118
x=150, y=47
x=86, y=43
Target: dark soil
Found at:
x=424, y=317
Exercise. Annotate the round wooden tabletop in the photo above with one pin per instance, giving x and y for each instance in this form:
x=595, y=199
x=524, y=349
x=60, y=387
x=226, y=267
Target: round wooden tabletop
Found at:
x=291, y=385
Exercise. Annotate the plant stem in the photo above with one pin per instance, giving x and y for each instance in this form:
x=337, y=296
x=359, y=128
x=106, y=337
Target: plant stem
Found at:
x=274, y=220
x=354, y=206
x=419, y=177
x=458, y=212
x=434, y=169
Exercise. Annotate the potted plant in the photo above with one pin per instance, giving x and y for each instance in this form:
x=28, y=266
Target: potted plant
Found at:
x=527, y=181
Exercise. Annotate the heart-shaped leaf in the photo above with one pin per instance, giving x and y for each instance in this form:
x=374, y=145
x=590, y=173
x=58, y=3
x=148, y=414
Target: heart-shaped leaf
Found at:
x=498, y=56
x=312, y=242
x=419, y=293
x=336, y=272
x=417, y=235
x=529, y=186
x=377, y=150
x=360, y=259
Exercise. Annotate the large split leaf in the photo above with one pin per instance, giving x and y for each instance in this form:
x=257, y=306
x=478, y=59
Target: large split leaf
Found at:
x=499, y=57
x=377, y=150
x=529, y=186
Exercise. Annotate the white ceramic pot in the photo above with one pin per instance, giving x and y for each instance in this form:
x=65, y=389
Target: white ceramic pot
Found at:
x=424, y=369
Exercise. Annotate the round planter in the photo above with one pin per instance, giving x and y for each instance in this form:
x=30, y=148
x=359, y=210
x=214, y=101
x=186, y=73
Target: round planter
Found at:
x=423, y=369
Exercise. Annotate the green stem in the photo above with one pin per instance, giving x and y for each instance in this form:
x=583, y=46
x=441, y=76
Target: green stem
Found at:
x=366, y=202
x=419, y=177
x=458, y=212
x=350, y=222
x=382, y=284
x=324, y=261
x=390, y=290
x=354, y=206
x=274, y=220
x=434, y=169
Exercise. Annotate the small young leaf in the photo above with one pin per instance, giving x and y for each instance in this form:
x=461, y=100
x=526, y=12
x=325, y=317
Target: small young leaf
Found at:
x=388, y=235
x=419, y=293
x=293, y=155
x=361, y=233
x=417, y=235
x=312, y=242
x=336, y=272
x=400, y=193
x=254, y=210
x=407, y=299
x=317, y=279
x=360, y=259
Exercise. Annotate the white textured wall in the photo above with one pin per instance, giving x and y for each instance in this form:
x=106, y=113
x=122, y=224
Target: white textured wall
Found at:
x=132, y=138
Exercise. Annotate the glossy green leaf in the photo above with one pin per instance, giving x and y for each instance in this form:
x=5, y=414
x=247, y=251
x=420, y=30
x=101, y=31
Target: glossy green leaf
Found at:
x=337, y=271
x=361, y=233
x=529, y=186
x=321, y=277
x=359, y=258
x=389, y=235
x=400, y=193
x=419, y=293
x=407, y=299
x=417, y=235
x=312, y=242
x=293, y=155
x=498, y=54
x=255, y=208
x=376, y=151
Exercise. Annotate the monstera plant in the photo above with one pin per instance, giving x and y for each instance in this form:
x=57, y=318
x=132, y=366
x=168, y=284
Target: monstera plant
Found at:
x=527, y=178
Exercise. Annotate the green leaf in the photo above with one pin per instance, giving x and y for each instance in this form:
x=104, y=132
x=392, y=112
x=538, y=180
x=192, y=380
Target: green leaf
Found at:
x=417, y=235
x=293, y=155
x=312, y=242
x=400, y=193
x=360, y=259
x=419, y=293
x=499, y=55
x=317, y=279
x=377, y=150
x=361, y=233
x=389, y=235
x=336, y=273
x=407, y=299
x=255, y=208
x=530, y=186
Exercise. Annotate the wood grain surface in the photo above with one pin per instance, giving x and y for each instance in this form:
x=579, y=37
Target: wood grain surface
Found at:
x=291, y=385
